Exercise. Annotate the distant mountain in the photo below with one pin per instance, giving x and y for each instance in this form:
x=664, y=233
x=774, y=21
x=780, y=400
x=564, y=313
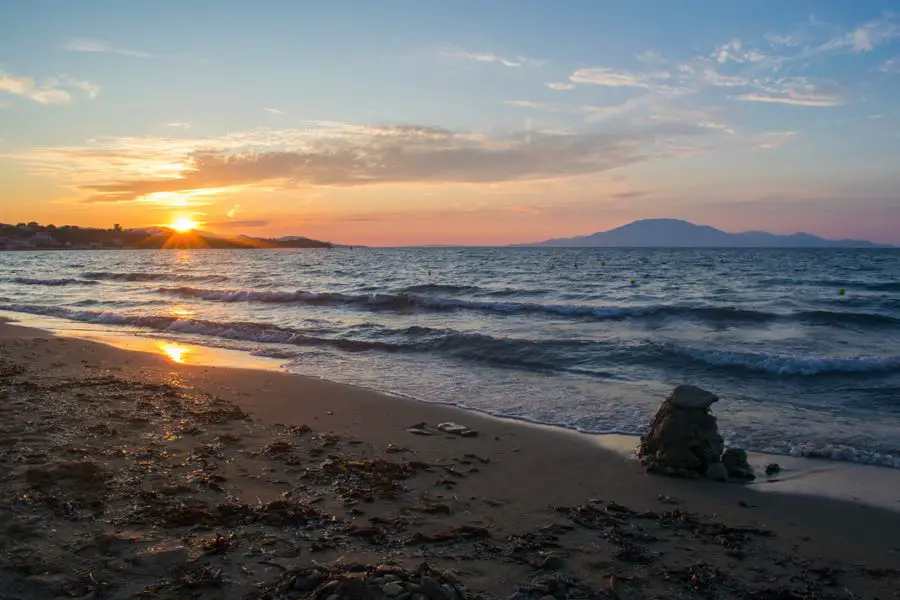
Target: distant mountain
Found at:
x=674, y=233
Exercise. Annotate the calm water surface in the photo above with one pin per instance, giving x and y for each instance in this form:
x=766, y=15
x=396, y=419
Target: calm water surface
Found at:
x=583, y=338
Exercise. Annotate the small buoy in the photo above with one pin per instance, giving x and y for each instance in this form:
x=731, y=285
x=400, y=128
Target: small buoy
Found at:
x=841, y=292
x=633, y=282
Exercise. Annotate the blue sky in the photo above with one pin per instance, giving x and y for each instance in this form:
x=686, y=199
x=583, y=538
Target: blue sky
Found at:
x=465, y=122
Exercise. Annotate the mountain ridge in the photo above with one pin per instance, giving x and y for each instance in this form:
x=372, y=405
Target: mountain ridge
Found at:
x=677, y=233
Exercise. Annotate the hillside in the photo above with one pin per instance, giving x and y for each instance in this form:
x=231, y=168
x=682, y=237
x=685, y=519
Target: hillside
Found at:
x=674, y=233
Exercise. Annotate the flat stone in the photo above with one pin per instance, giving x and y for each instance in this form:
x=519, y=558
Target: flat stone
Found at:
x=393, y=589
x=431, y=588
x=690, y=396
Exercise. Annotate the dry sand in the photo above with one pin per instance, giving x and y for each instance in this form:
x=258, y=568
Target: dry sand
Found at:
x=124, y=474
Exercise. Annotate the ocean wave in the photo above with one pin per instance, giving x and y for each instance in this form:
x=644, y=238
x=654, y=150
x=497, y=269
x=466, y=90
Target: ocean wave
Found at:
x=139, y=277
x=439, y=288
x=408, y=301
x=784, y=364
x=847, y=284
x=49, y=282
x=843, y=453
x=552, y=355
x=548, y=355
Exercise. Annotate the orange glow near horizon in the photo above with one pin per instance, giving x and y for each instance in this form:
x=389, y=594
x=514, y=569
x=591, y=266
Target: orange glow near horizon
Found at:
x=184, y=224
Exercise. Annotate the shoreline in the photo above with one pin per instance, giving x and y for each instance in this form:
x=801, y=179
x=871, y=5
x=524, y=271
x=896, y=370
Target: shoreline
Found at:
x=129, y=473
x=819, y=477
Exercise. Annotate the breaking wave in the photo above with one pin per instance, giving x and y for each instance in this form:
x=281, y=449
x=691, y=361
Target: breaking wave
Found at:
x=409, y=301
x=109, y=276
x=782, y=364
x=49, y=282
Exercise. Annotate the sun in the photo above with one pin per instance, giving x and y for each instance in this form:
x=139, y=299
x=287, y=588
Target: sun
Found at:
x=183, y=224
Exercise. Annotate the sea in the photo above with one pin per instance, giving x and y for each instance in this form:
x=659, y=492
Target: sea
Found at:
x=802, y=346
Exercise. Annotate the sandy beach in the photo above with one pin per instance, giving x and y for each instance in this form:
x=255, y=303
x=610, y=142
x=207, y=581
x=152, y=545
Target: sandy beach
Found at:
x=127, y=474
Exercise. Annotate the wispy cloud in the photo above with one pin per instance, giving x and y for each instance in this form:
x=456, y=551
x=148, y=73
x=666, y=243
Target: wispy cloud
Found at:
x=611, y=78
x=660, y=82
x=531, y=104
x=650, y=57
x=130, y=169
x=93, y=45
x=769, y=140
x=90, y=89
x=274, y=111
x=490, y=57
x=734, y=51
x=795, y=101
x=52, y=90
x=560, y=86
x=891, y=65
x=179, y=125
x=866, y=37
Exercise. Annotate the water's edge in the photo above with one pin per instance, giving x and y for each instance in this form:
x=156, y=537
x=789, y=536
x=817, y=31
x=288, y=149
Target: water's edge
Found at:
x=820, y=477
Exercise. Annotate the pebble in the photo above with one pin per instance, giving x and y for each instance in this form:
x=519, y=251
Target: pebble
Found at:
x=432, y=588
x=393, y=589
x=449, y=592
x=419, y=596
x=308, y=583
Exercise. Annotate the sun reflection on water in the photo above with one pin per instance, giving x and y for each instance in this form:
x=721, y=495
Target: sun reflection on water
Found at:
x=175, y=352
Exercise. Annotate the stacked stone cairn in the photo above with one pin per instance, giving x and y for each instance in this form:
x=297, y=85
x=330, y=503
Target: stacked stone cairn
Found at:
x=684, y=440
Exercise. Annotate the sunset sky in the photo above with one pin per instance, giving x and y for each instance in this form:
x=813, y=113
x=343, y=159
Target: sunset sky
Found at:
x=401, y=122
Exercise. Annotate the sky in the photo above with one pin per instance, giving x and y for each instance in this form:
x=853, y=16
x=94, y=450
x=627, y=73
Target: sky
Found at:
x=403, y=122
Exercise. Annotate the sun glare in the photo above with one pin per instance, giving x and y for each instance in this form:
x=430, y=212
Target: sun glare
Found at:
x=183, y=224
x=175, y=352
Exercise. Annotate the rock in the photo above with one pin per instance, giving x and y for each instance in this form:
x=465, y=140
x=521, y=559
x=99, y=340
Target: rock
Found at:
x=773, y=469
x=689, y=396
x=683, y=440
x=717, y=472
x=393, y=589
x=418, y=431
x=449, y=592
x=735, y=461
x=431, y=588
x=553, y=562
x=419, y=596
x=309, y=582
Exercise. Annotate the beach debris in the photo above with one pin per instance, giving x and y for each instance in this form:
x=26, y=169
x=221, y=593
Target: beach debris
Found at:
x=683, y=439
x=735, y=461
x=352, y=581
x=457, y=429
x=418, y=431
x=773, y=469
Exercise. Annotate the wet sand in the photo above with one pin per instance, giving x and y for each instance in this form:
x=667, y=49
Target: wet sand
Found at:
x=127, y=474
